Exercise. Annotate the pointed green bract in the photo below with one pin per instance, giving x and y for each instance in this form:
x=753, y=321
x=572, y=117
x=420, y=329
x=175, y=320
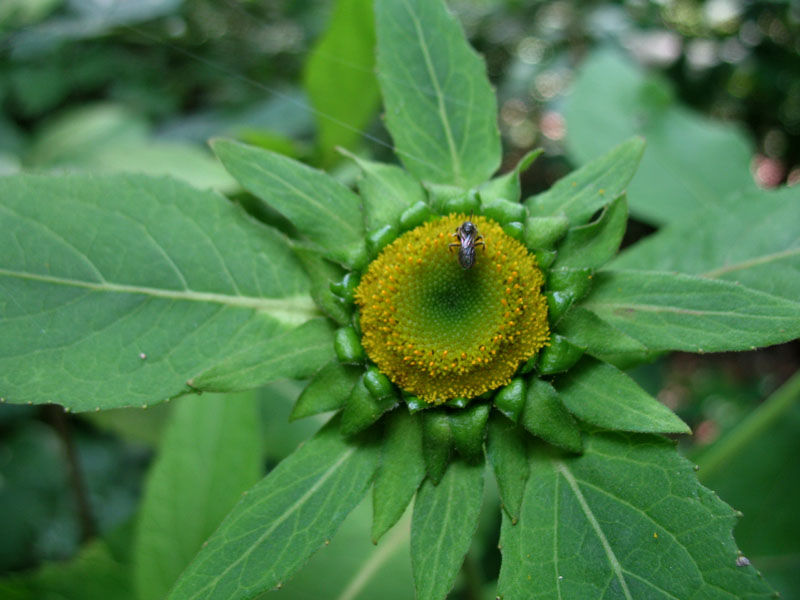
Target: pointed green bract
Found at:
x=321, y=208
x=676, y=541
x=753, y=241
x=507, y=186
x=340, y=77
x=444, y=521
x=691, y=161
x=594, y=244
x=283, y=520
x=440, y=108
x=595, y=184
x=604, y=396
x=667, y=311
x=505, y=446
x=328, y=389
x=600, y=339
x=546, y=417
x=402, y=470
x=322, y=273
x=120, y=288
x=296, y=353
x=362, y=409
x=437, y=443
x=468, y=427
x=210, y=454
x=386, y=192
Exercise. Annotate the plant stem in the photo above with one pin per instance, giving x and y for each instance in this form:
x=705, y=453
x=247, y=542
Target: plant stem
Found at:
x=57, y=418
x=772, y=409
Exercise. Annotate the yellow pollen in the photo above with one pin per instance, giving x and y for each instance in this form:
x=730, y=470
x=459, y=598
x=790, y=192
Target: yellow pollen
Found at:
x=417, y=301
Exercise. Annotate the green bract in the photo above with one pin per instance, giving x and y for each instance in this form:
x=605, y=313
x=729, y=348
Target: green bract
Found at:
x=131, y=290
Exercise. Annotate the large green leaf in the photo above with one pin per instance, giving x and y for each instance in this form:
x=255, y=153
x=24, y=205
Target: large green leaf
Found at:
x=444, y=521
x=752, y=239
x=353, y=568
x=340, y=77
x=283, y=520
x=666, y=311
x=296, y=353
x=95, y=574
x=594, y=244
x=600, y=339
x=505, y=446
x=209, y=455
x=595, y=184
x=751, y=467
x=440, y=108
x=627, y=519
x=322, y=209
x=111, y=138
x=401, y=472
x=116, y=290
x=604, y=396
x=386, y=190
x=691, y=161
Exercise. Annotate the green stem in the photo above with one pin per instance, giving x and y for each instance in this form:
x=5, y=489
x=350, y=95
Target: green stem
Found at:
x=772, y=409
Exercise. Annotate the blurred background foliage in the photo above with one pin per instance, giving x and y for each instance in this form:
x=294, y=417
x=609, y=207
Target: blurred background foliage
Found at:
x=141, y=85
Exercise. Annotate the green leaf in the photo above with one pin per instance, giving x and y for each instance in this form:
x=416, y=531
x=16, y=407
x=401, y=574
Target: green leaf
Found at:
x=594, y=244
x=340, y=77
x=387, y=191
x=750, y=239
x=118, y=289
x=546, y=417
x=353, y=568
x=94, y=574
x=444, y=521
x=604, y=396
x=110, y=138
x=691, y=161
x=507, y=186
x=402, y=470
x=627, y=519
x=323, y=209
x=437, y=443
x=666, y=311
x=748, y=467
x=595, y=184
x=440, y=108
x=328, y=389
x=210, y=454
x=586, y=330
x=283, y=520
x=505, y=446
x=363, y=409
x=322, y=273
x=293, y=354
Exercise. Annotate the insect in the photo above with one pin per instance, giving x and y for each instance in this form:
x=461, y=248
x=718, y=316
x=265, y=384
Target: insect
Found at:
x=468, y=237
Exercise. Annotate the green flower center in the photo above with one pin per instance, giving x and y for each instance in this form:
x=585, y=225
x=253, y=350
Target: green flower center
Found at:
x=440, y=331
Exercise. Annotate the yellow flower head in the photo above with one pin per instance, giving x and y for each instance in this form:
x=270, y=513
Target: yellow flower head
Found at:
x=440, y=331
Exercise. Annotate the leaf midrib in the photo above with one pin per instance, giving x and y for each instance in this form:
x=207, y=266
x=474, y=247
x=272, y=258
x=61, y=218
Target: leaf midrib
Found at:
x=451, y=146
x=299, y=306
x=295, y=506
x=587, y=511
